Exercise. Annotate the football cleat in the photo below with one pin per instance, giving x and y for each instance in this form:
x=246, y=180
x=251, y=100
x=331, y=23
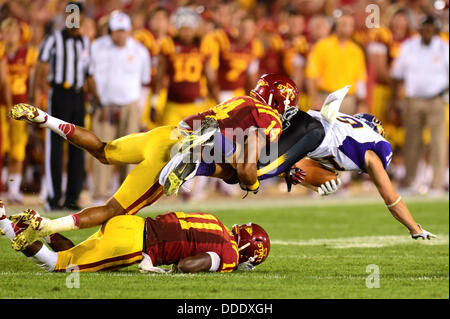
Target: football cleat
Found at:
x=28, y=113
x=182, y=173
x=199, y=137
x=175, y=174
x=33, y=226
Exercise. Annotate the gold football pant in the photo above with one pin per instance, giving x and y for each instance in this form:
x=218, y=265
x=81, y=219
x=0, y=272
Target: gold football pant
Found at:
x=117, y=244
x=175, y=112
x=151, y=152
x=15, y=136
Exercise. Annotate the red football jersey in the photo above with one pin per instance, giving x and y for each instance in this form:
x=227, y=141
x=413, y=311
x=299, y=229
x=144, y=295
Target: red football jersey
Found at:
x=19, y=68
x=242, y=112
x=235, y=59
x=186, y=67
x=174, y=236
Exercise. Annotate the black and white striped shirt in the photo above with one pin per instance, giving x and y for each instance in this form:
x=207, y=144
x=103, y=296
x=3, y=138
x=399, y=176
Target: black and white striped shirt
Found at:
x=68, y=57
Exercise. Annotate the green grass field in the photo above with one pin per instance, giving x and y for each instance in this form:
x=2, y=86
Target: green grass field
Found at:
x=319, y=250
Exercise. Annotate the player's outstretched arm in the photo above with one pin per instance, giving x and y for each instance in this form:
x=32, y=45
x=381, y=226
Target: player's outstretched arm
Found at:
x=197, y=263
x=392, y=199
x=246, y=166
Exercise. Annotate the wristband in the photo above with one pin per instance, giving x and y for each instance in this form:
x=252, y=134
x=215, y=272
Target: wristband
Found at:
x=394, y=203
x=254, y=186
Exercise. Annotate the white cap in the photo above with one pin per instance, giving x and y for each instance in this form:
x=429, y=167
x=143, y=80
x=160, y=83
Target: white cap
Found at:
x=119, y=21
x=185, y=17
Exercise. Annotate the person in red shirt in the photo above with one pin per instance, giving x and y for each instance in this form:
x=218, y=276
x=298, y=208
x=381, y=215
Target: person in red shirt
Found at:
x=191, y=242
x=185, y=60
x=240, y=52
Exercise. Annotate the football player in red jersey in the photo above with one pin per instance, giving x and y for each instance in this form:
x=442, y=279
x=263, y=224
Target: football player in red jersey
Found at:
x=191, y=242
x=186, y=60
x=239, y=128
x=239, y=54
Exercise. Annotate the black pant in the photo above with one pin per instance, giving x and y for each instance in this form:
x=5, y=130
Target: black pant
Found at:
x=67, y=105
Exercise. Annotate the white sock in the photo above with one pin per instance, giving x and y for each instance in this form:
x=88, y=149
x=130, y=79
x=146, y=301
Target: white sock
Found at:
x=60, y=127
x=45, y=258
x=14, y=183
x=7, y=228
x=63, y=224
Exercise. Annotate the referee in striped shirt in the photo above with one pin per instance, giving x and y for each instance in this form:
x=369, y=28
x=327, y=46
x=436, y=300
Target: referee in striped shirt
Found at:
x=63, y=65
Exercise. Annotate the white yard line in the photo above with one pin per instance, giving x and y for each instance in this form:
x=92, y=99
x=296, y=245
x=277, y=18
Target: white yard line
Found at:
x=363, y=242
x=258, y=202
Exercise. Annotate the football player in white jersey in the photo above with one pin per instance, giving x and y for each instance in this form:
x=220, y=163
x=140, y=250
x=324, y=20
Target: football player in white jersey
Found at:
x=357, y=143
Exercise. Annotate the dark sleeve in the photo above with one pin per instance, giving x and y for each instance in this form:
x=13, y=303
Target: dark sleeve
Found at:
x=303, y=135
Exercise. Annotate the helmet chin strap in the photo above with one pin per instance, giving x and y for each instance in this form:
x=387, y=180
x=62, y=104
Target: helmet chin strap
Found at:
x=289, y=110
x=269, y=102
x=244, y=246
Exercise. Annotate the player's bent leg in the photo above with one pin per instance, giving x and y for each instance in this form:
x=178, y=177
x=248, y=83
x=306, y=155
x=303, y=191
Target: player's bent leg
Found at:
x=39, y=227
x=78, y=136
x=134, y=148
x=119, y=243
x=97, y=215
x=58, y=242
x=141, y=187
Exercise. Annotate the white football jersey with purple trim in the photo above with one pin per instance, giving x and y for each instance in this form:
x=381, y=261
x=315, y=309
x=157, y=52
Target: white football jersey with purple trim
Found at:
x=346, y=142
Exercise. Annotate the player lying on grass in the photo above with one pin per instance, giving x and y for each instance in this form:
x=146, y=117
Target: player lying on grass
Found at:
x=151, y=151
x=338, y=141
x=191, y=242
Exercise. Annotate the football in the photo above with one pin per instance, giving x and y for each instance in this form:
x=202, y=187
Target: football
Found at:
x=316, y=173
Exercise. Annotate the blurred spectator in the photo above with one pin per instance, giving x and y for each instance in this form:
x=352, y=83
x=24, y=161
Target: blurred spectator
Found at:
x=186, y=59
x=5, y=99
x=159, y=24
x=63, y=62
x=383, y=48
x=334, y=62
x=319, y=28
x=239, y=55
x=271, y=61
x=288, y=36
x=120, y=66
x=423, y=66
x=21, y=60
x=295, y=49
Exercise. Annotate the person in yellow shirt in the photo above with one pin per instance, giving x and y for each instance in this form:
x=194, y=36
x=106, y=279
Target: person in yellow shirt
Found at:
x=20, y=61
x=334, y=62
